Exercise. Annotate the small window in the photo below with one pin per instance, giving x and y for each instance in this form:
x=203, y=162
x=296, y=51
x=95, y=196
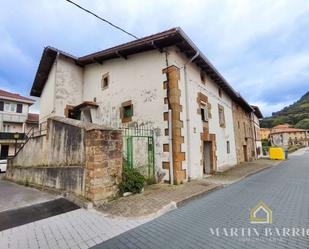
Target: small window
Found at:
x=228, y=149
x=220, y=92
x=105, y=81
x=221, y=116
x=1, y=105
x=204, y=112
x=126, y=111
x=203, y=77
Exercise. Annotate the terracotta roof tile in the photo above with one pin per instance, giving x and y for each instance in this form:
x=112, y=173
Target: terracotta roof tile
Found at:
x=13, y=95
x=33, y=117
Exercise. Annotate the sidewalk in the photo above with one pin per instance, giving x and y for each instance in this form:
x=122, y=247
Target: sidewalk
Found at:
x=157, y=199
x=160, y=198
x=241, y=171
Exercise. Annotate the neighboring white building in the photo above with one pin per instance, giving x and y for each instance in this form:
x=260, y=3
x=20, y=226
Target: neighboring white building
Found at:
x=140, y=83
x=15, y=121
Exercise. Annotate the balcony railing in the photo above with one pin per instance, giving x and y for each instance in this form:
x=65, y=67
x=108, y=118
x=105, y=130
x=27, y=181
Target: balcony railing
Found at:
x=12, y=136
x=13, y=117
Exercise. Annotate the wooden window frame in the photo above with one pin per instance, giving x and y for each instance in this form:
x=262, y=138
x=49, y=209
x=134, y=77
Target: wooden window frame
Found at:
x=204, y=112
x=105, y=77
x=126, y=119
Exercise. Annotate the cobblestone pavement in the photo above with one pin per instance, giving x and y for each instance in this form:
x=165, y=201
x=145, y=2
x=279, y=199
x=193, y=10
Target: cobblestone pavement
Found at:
x=283, y=188
x=157, y=198
x=76, y=229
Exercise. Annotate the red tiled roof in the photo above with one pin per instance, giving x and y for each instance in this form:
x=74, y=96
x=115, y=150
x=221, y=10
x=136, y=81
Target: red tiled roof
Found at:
x=172, y=37
x=285, y=128
x=33, y=117
x=14, y=95
x=281, y=126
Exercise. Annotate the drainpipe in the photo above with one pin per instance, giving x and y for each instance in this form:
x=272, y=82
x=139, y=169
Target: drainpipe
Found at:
x=187, y=112
x=170, y=146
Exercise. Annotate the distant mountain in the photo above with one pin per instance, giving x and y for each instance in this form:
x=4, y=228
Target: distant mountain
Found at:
x=296, y=115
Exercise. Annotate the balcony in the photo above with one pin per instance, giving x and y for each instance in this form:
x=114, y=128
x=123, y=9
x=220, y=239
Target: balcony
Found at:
x=13, y=117
x=10, y=137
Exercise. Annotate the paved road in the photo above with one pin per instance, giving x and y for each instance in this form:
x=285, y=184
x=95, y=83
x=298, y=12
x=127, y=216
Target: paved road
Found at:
x=14, y=196
x=284, y=188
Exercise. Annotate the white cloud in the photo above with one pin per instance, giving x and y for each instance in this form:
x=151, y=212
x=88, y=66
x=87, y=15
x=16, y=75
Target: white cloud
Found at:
x=254, y=44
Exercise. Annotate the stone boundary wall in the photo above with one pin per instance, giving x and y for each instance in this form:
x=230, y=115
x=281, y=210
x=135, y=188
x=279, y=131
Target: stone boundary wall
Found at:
x=74, y=156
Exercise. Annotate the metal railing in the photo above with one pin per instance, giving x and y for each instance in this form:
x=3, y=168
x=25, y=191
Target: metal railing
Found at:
x=13, y=136
x=32, y=133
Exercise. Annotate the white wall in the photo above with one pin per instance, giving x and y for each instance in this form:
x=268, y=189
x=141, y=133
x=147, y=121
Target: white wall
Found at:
x=47, y=99
x=69, y=85
x=140, y=79
x=196, y=126
x=63, y=87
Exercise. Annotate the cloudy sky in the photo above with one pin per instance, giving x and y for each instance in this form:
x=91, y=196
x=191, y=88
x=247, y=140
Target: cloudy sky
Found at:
x=260, y=47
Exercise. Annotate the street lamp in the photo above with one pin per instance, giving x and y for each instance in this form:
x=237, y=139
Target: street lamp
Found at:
x=16, y=137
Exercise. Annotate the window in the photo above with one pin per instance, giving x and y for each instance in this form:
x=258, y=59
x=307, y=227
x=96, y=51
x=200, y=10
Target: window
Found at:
x=6, y=128
x=10, y=107
x=203, y=77
x=204, y=112
x=1, y=105
x=13, y=107
x=19, y=108
x=6, y=107
x=228, y=149
x=105, y=81
x=126, y=111
x=221, y=116
x=220, y=92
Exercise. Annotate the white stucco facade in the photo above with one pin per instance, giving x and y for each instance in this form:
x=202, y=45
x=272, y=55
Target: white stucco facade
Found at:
x=210, y=89
x=139, y=79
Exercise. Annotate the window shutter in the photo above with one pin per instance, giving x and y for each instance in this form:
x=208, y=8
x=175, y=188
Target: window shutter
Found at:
x=209, y=110
x=1, y=105
x=19, y=108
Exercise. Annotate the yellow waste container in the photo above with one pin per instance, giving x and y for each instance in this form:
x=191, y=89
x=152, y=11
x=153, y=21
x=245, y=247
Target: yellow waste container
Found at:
x=276, y=153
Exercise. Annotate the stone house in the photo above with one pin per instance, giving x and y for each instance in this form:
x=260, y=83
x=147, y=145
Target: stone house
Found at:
x=245, y=143
x=255, y=124
x=285, y=136
x=15, y=121
x=162, y=81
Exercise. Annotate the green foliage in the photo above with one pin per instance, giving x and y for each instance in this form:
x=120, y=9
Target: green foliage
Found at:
x=296, y=115
x=303, y=124
x=132, y=181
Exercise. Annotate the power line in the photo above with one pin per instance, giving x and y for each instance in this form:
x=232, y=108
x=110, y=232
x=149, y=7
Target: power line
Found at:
x=102, y=19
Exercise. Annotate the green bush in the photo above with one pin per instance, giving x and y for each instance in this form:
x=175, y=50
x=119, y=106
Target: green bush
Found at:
x=132, y=181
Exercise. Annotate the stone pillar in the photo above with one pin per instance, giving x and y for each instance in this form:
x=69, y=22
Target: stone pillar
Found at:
x=174, y=94
x=103, y=164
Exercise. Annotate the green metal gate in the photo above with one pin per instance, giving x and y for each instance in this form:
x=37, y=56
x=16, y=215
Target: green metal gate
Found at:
x=138, y=150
